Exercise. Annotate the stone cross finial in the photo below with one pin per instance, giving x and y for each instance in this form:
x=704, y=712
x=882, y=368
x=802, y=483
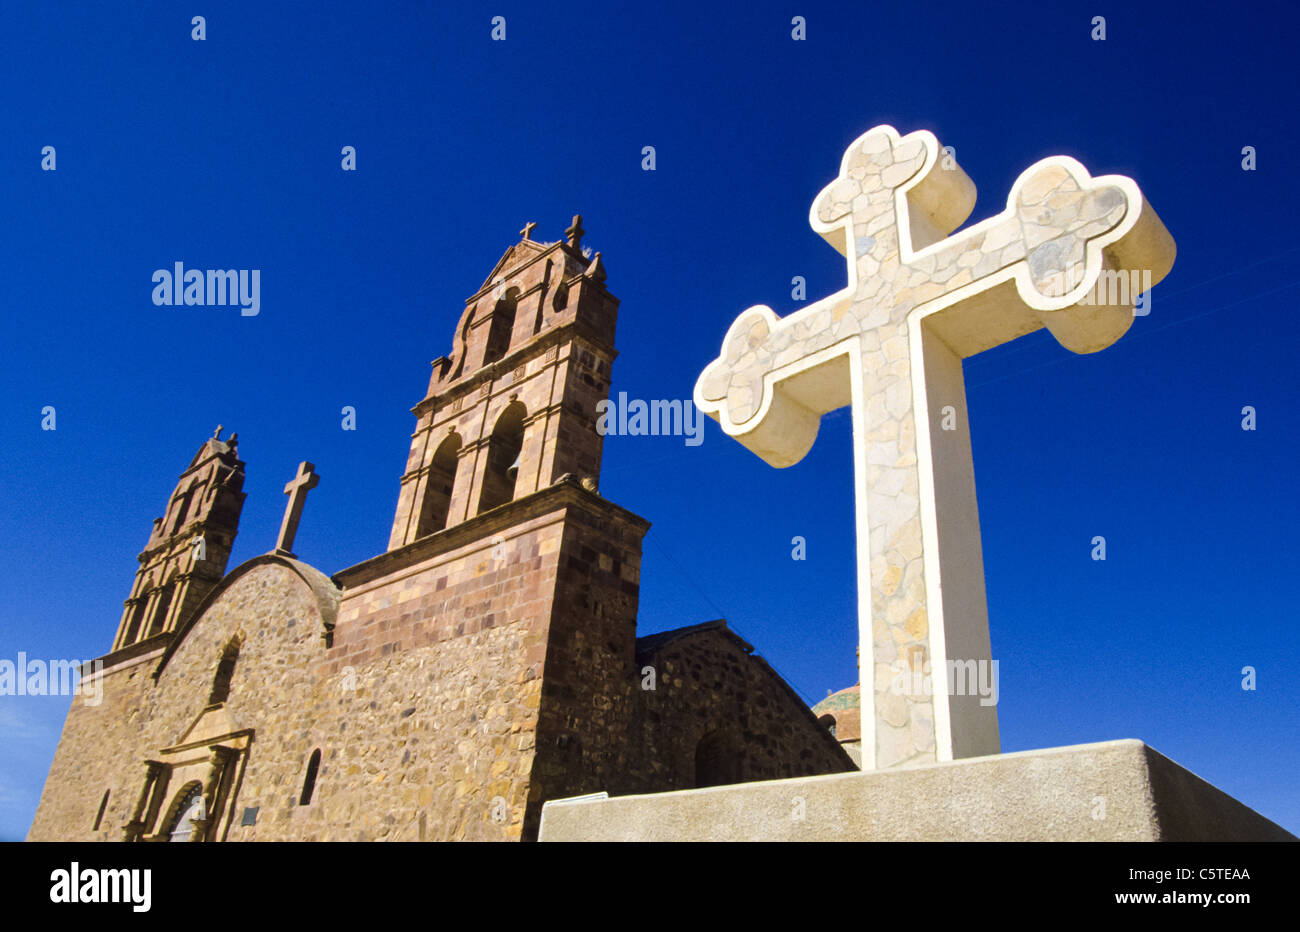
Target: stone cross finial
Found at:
x=216, y=434
x=297, y=490
x=919, y=300
x=575, y=232
x=527, y=231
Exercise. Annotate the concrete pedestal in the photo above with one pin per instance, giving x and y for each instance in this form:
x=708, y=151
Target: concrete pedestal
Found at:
x=1111, y=791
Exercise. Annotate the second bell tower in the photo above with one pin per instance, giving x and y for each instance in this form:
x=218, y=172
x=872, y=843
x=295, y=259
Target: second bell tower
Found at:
x=512, y=408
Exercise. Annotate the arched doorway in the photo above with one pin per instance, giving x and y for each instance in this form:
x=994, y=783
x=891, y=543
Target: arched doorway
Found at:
x=717, y=760
x=187, y=808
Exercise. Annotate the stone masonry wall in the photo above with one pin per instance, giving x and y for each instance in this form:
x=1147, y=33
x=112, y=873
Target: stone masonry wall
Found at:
x=448, y=659
x=97, y=742
x=458, y=691
x=707, y=683
x=587, y=701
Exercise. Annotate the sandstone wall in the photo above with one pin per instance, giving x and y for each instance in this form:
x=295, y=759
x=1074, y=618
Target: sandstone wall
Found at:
x=448, y=657
x=451, y=687
x=587, y=693
x=91, y=756
x=708, y=684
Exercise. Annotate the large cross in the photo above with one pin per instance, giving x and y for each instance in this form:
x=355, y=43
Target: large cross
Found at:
x=919, y=300
x=297, y=490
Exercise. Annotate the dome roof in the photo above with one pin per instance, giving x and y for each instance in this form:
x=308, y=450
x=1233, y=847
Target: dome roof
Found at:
x=844, y=707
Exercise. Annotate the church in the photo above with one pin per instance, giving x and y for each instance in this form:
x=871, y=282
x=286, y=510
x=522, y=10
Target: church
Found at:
x=486, y=662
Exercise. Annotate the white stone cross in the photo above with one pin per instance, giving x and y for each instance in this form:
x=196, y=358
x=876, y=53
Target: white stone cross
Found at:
x=919, y=300
x=297, y=490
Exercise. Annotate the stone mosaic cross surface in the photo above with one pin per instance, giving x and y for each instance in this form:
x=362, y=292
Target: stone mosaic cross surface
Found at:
x=919, y=300
x=297, y=490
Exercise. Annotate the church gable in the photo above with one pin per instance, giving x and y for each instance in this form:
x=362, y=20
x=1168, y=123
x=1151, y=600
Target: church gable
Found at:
x=516, y=255
x=270, y=609
x=720, y=714
x=235, y=694
x=233, y=590
x=191, y=742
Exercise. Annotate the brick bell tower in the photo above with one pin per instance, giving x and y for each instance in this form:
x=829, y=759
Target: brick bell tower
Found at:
x=504, y=607
x=511, y=409
x=189, y=546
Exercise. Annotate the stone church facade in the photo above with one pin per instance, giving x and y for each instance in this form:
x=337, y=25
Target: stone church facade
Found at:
x=486, y=662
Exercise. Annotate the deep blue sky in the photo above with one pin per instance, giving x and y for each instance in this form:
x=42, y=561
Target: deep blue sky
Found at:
x=225, y=154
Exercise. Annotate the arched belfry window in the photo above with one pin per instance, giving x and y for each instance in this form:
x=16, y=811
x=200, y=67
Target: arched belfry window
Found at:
x=437, y=488
x=160, y=610
x=182, y=507
x=504, y=449
x=225, y=672
x=309, y=781
x=502, y=326
x=137, y=617
x=827, y=722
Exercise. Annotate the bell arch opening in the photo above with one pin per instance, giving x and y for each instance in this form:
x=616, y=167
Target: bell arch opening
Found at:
x=503, y=457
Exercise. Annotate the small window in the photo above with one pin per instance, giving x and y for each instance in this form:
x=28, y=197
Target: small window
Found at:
x=828, y=722
x=103, y=804
x=225, y=672
x=309, y=781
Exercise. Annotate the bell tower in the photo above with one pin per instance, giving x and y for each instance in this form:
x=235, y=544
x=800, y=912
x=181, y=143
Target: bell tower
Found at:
x=189, y=546
x=512, y=408
x=509, y=586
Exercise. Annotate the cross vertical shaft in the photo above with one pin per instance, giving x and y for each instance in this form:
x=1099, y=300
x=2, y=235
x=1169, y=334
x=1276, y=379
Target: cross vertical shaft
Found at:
x=297, y=490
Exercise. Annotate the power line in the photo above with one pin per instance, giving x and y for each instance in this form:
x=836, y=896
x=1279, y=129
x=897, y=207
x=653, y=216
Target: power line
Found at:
x=1145, y=333
x=1022, y=346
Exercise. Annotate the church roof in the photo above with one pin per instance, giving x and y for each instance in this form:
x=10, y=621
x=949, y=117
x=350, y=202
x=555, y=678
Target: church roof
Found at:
x=214, y=446
x=574, y=259
x=651, y=643
x=322, y=587
x=517, y=254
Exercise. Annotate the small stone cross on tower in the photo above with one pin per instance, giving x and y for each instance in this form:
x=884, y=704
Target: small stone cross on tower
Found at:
x=919, y=300
x=297, y=490
x=575, y=232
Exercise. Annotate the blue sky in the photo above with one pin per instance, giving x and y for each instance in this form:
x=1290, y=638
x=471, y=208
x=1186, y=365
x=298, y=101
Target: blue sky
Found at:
x=225, y=154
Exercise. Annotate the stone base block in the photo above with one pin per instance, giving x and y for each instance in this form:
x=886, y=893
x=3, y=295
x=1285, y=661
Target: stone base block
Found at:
x=1111, y=791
